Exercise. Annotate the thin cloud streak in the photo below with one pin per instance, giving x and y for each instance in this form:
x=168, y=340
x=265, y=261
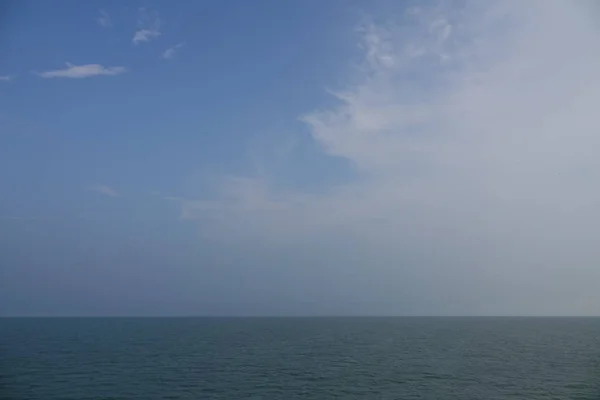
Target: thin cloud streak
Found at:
x=148, y=27
x=170, y=52
x=6, y=78
x=473, y=132
x=104, y=19
x=83, y=71
x=104, y=190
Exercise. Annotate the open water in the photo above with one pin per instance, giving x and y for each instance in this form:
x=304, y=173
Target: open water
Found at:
x=299, y=358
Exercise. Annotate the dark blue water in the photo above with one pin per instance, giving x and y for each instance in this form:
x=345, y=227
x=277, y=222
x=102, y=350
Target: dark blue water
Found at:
x=321, y=358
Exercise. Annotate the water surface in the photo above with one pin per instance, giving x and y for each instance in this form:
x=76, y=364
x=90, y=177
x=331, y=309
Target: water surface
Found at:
x=300, y=358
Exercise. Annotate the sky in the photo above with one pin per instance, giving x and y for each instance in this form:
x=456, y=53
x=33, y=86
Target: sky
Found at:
x=236, y=158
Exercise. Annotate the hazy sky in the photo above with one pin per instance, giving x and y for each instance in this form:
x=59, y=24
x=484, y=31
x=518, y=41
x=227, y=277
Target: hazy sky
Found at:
x=300, y=157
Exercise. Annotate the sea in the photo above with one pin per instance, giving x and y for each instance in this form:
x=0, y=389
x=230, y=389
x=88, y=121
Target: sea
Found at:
x=299, y=358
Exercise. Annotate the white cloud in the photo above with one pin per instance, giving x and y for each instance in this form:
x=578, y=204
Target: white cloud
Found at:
x=6, y=78
x=104, y=190
x=104, y=19
x=474, y=132
x=144, y=35
x=170, y=52
x=83, y=71
x=148, y=27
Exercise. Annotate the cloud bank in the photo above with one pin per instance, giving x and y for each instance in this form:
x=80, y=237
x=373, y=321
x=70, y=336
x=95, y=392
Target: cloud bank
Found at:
x=83, y=71
x=474, y=134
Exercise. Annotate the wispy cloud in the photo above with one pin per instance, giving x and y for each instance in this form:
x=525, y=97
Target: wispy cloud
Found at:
x=473, y=132
x=83, y=71
x=148, y=27
x=6, y=78
x=104, y=190
x=170, y=52
x=104, y=19
x=144, y=35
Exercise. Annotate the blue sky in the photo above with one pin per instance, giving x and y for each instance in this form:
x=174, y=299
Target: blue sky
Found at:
x=88, y=162
x=293, y=158
x=160, y=119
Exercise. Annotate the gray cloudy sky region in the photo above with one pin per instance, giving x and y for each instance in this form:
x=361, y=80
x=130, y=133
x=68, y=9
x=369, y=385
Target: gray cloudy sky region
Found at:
x=472, y=133
x=487, y=206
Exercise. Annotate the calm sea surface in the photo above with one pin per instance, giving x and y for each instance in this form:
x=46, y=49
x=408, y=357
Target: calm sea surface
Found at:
x=297, y=358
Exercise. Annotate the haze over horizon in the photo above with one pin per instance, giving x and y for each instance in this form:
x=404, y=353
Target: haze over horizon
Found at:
x=234, y=158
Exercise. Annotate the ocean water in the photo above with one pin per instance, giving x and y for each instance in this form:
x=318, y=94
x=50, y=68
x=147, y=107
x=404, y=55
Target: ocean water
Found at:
x=300, y=358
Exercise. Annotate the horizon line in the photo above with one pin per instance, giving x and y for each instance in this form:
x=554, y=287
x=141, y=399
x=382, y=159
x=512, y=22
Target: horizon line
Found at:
x=282, y=316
